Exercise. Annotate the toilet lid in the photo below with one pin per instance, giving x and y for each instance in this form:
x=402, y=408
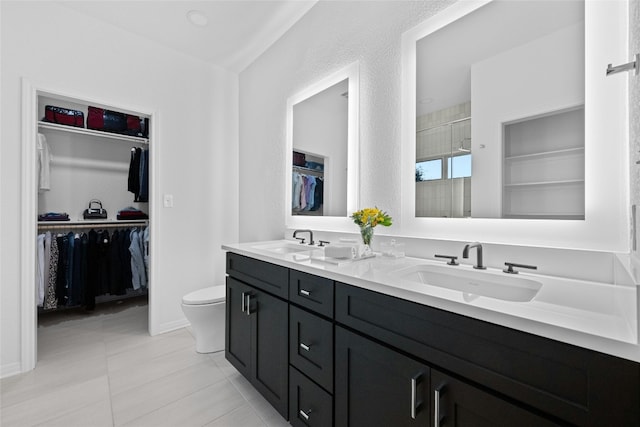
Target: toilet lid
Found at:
x=205, y=296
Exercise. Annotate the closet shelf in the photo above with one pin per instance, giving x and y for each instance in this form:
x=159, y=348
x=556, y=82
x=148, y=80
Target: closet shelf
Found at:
x=91, y=132
x=54, y=225
x=308, y=170
x=546, y=153
x=542, y=183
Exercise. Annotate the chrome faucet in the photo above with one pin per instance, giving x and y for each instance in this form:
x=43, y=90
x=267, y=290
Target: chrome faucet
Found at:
x=478, y=246
x=295, y=233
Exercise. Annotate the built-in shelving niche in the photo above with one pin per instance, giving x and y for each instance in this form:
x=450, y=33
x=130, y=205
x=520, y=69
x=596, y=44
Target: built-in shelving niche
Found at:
x=543, y=173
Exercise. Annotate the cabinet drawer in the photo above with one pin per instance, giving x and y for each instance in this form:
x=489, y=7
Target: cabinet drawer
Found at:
x=262, y=275
x=311, y=346
x=554, y=377
x=309, y=405
x=312, y=292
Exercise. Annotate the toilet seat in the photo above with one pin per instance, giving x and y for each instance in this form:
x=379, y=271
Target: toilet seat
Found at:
x=203, y=296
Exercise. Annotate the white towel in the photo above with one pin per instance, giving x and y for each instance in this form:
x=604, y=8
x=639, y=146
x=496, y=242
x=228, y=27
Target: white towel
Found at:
x=340, y=251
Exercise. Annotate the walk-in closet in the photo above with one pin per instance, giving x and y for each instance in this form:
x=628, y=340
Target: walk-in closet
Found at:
x=93, y=213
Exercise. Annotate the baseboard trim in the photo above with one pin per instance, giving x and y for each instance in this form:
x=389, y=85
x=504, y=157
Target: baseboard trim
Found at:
x=10, y=370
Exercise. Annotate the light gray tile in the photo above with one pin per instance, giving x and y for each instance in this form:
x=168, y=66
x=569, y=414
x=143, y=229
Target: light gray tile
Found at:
x=128, y=349
x=264, y=409
x=244, y=386
x=133, y=373
x=196, y=409
x=56, y=402
x=95, y=415
x=243, y=416
x=53, y=373
x=138, y=401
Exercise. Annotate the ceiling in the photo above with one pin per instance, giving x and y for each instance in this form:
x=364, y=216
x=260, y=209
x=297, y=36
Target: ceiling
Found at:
x=237, y=32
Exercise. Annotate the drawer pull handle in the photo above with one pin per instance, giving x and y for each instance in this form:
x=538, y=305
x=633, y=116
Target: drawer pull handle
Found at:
x=436, y=408
x=305, y=292
x=244, y=302
x=248, y=305
x=305, y=347
x=415, y=405
x=305, y=415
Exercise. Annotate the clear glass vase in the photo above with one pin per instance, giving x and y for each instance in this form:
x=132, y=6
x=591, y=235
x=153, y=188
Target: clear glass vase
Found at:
x=366, y=231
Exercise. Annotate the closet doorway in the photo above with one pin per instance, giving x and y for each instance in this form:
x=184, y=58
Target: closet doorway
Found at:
x=87, y=223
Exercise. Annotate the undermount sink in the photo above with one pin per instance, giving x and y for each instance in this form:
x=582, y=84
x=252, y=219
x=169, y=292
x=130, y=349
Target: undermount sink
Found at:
x=506, y=287
x=284, y=247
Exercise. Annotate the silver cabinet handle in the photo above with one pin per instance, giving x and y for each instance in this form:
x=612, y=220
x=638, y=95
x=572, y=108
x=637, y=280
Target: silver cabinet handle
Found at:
x=414, y=395
x=244, y=304
x=305, y=415
x=436, y=408
x=248, y=305
x=305, y=347
x=305, y=292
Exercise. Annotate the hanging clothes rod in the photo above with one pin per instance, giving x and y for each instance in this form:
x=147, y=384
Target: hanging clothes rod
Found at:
x=635, y=65
x=76, y=226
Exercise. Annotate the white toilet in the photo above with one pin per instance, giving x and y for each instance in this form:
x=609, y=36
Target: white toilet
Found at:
x=204, y=309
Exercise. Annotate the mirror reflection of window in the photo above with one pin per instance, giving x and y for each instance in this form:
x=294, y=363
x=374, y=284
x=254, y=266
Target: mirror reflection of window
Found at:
x=504, y=63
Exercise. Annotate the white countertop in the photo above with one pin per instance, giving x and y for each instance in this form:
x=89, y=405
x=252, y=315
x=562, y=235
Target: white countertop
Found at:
x=595, y=315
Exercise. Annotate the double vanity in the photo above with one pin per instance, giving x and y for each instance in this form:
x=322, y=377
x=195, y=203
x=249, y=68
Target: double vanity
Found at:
x=407, y=341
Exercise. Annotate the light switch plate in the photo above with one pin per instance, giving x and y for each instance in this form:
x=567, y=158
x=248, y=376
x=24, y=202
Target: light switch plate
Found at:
x=168, y=200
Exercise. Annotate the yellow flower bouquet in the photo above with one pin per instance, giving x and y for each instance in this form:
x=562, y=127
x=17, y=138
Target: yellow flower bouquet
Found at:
x=367, y=219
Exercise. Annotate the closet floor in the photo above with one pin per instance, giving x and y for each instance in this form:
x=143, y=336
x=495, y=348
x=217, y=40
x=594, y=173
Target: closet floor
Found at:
x=103, y=369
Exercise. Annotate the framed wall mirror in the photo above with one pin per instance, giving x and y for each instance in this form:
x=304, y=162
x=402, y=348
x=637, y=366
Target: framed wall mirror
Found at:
x=508, y=114
x=322, y=151
x=500, y=113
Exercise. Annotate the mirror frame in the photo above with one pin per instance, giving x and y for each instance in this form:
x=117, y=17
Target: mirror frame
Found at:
x=336, y=223
x=607, y=180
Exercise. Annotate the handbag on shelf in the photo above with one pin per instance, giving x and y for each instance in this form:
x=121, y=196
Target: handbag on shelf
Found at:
x=63, y=116
x=95, y=210
x=116, y=122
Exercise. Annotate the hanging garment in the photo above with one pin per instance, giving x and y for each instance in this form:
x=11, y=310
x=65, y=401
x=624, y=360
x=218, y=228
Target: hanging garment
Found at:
x=117, y=285
x=318, y=194
x=133, y=179
x=310, y=186
x=125, y=257
x=143, y=195
x=44, y=163
x=104, y=269
x=47, y=270
x=145, y=244
x=139, y=277
x=50, y=300
x=63, y=265
x=92, y=270
x=40, y=271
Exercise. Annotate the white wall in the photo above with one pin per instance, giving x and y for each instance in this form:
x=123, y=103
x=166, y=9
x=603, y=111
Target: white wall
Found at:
x=195, y=106
x=634, y=116
x=331, y=36
x=503, y=91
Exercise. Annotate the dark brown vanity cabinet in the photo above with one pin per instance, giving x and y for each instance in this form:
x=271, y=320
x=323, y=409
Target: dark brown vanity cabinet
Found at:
x=520, y=379
x=257, y=325
x=328, y=353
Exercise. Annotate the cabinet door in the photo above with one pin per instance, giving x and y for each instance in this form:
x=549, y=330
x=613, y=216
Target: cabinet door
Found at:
x=270, y=355
x=377, y=386
x=238, y=327
x=457, y=404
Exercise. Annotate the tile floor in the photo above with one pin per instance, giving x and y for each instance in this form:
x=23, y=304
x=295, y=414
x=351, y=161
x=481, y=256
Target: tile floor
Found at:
x=103, y=369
